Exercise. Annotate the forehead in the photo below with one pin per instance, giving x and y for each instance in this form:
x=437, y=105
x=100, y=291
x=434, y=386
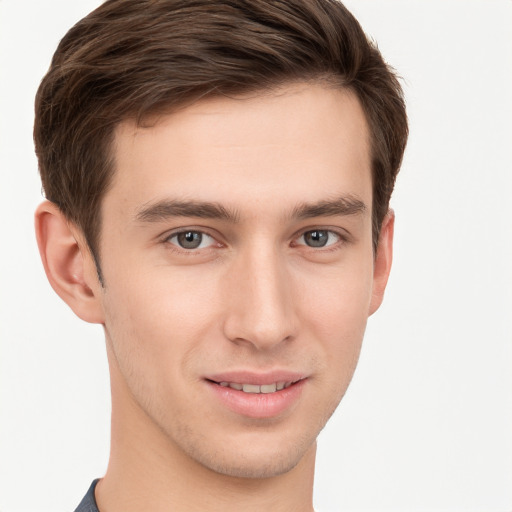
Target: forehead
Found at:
x=301, y=143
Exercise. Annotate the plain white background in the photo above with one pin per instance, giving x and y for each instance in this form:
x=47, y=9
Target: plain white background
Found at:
x=427, y=422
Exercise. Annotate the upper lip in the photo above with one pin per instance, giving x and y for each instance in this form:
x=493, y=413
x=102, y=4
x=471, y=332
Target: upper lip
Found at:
x=257, y=378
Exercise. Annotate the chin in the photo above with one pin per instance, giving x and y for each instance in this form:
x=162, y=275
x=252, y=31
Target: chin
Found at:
x=256, y=460
x=255, y=466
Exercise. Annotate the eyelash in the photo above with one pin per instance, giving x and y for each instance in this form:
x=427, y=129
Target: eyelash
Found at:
x=342, y=239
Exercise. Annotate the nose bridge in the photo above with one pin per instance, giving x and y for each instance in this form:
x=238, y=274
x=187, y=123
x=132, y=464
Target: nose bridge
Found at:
x=261, y=310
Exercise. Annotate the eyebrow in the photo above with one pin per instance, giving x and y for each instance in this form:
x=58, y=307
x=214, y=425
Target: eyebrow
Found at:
x=167, y=208
x=341, y=206
x=162, y=210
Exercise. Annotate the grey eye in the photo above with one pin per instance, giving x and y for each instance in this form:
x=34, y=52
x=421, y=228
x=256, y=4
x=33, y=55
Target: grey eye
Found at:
x=316, y=238
x=189, y=239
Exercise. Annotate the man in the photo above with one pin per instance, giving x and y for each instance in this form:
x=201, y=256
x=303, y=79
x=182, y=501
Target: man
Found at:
x=218, y=177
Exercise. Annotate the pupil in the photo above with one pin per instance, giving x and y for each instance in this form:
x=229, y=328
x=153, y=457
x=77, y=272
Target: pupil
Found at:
x=190, y=239
x=317, y=238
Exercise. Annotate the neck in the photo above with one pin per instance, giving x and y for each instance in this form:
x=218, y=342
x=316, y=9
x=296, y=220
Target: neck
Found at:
x=147, y=471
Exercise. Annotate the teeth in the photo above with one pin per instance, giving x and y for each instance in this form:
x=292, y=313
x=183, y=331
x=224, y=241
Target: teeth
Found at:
x=251, y=388
x=269, y=388
x=254, y=388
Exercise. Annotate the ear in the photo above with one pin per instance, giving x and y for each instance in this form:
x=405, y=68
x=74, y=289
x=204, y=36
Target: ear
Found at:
x=383, y=259
x=68, y=263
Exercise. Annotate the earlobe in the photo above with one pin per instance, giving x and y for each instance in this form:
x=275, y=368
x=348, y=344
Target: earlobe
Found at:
x=67, y=262
x=383, y=260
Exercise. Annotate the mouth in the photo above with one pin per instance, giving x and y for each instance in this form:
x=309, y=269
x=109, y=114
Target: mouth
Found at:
x=257, y=388
x=258, y=396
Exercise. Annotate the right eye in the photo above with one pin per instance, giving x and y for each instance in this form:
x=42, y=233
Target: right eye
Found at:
x=190, y=240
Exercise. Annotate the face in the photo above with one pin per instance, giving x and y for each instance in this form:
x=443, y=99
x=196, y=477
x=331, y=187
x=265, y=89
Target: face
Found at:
x=237, y=256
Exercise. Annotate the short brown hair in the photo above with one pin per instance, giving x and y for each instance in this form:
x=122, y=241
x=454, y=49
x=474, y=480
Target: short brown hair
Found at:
x=135, y=58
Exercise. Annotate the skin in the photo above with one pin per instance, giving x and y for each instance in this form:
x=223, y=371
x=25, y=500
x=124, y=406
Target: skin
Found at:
x=254, y=296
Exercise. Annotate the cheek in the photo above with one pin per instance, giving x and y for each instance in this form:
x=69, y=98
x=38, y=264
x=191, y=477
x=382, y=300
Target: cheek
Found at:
x=154, y=317
x=146, y=330
x=337, y=315
x=338, y=298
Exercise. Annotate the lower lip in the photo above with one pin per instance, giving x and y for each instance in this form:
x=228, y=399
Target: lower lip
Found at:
x=258, y=405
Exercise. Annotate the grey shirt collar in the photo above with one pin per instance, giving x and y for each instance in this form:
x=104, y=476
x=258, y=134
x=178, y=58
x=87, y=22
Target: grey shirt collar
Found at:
x=88, y=504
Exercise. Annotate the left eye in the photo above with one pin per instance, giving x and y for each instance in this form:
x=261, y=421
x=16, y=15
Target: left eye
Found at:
x=319, y=238
x=191, y=240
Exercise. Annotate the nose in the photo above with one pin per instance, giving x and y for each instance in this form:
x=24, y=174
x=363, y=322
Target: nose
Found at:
x=261, y=309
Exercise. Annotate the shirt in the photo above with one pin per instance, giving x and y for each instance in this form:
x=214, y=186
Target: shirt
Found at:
x=88, y=504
